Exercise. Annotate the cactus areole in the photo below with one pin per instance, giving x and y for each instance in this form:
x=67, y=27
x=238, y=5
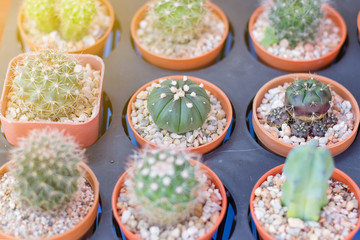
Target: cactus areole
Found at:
x=307, y=99
x=179, y=105
x=307, y=170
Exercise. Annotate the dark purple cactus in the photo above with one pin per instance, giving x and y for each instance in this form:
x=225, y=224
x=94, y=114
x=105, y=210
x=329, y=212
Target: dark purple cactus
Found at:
x=319, y=129
x=307, y=99
x=277, y=117
x=330, y=120
x=300, y=129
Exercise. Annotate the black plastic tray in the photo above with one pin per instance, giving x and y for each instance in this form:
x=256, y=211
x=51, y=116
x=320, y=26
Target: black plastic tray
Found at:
x=241, y=161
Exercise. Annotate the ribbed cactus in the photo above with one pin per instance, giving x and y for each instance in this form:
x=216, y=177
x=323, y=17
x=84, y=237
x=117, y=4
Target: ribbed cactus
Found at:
x=180, y=19
x=179, y=105
x=307, y=99
x=46, y=168
x=75, y=18
x=295, y=20
x=43, y=12
x=277, y=117
x=300, y=129
x=307, y=170
x=163, y=186
x=47, y=84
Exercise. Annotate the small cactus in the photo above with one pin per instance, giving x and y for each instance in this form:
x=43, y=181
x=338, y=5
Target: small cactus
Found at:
x=179, y=19
x=319, y=129
x=46, y=168
x=307, y=99
x=307, y=170
x=163, y=186
x=75, y=18
x=294, y=20
x=277, y=117
x=330, y=120
x=178, y=105
x=300, y=129
x=46, y=84
x=43, y=12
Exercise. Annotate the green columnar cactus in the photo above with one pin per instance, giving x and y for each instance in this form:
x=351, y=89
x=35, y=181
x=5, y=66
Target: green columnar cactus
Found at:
x=46, y=85
x=75, y=17
x=307, y=99
x=307, y=170
x=43, y=12
x=163, y=186
x=294, y=20
x=179, y=105
x=46, y=168
x=180, y=19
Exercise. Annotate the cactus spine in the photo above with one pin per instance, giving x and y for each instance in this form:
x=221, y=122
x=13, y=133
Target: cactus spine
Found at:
x=75, y=17
x=294, y=20
x=179, y=105
x=43, y=12
x=163, y=186
x=307, y=170
x=46, y=168
x=179, y=19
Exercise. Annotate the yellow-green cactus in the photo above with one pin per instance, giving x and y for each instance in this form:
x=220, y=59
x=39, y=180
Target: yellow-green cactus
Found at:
x=43, y=12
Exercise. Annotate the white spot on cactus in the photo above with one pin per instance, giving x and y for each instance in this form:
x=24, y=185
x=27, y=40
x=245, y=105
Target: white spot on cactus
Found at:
x=170, y=110
x=46, y=77
x=179, y=190
x=154, y=186
x=170, y=159
x=162, y=169
x=32, y=79
x=162, y=156
x=186, y=88
x=201, y=85
x=189, y=6
x=145, y=171
x=163, y=95
x=67, y=75
x=189, y=105
x=173, y=89
x=176, y=97
x=204, y=102
x=191, y=119
x=167, y=123
x=140, y=185
x=173, y=83
x=166, y=181
x=184, y=174
x=185, y=78
x=167, y=12
x=153, y=104
x=57, y=85
x=176, y=4
x=179, y=161
x=151, y=160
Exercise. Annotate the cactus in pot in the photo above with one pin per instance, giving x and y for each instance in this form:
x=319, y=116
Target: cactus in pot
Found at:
x=307, y=170
x=178, y=105
x=45, y=165
x=307, y=99
x=180, y=20
x=43, y=12
x=294, y=20
x=163, y=186
x=75, y=17
x=47, y=85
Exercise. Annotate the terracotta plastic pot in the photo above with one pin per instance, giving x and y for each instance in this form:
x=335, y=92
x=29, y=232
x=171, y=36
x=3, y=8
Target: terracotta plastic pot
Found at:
x=337, y=175
x=96, y=49
x=217, y=92
x=288, y=65
x=84, y=225
x=215, y=179
x=282, y=148
x=85, y=133
x=179, y=64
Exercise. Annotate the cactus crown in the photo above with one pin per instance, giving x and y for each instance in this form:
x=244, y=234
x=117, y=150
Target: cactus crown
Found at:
x=46, y=168
x=75, y=17
x=307, y=99
x=294, y=20
x=47, y=84
x=164, y=186
x=43, y=12
x=179, y=19
x=178, y=105
x=307, y=170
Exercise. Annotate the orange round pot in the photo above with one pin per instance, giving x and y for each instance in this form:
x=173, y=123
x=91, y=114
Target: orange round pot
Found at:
x=282, y=148
x=84, y=225
x=337, y=175
x=214, y=179
x=217, y=92
x=179, y=64
x=85, y=133
x=289, y=65
x=97, y=48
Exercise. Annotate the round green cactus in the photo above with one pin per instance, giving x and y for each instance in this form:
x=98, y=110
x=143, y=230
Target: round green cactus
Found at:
x=47, y=84
x=294, y=20
x=179, y=105
x=75, y=17
x=180, y=19
x=308, y=99
x=163, y=186
x=43, y=12
x=46, y=168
